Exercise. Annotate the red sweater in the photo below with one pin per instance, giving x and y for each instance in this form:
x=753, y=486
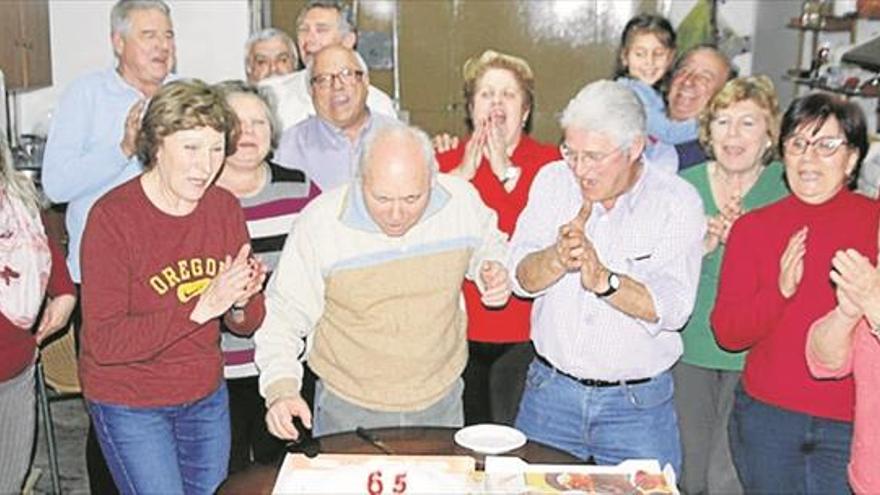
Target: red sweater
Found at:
x=750, y=312
x=17, y=345
x=511, y=323
x=142, y=273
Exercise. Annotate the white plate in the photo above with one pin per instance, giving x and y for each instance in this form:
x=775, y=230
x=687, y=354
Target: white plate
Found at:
x=490, y=438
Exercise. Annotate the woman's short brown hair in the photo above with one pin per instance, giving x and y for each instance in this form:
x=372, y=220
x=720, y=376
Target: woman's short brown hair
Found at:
x=475, y=67
x=757, y=89
x=182, y=105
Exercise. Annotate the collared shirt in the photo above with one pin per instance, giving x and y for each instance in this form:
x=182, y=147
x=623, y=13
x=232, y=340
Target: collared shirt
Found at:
x=294, y=103
x=83, y=158
x=386, y=313
x=653, y=234
x=323, y=151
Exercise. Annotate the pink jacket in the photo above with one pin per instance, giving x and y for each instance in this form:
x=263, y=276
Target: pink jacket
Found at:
x=864, y=363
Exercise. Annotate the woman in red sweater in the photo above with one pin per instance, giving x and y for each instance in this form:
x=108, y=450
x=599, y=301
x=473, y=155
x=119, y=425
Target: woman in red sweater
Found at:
x=790, y=432
x=31, y=266
x=501, y=160
x=164, y=256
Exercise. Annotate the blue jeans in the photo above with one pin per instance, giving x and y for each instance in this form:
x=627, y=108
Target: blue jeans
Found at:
x=776, y=450
x=167, y=450
x=610, y=424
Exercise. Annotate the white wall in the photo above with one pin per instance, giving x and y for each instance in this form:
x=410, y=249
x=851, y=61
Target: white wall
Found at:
x=210, y=40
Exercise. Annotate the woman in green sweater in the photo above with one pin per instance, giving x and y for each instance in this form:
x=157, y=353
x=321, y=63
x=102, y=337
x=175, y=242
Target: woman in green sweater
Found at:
x=739, y=129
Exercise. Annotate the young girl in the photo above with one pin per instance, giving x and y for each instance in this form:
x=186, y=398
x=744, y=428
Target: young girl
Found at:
x=647, y=49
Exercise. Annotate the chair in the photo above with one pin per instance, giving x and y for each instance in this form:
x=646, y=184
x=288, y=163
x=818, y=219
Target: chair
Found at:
x=57, y=379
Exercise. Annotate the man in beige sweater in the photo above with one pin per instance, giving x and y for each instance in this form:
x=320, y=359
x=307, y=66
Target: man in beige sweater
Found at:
x=374, y=270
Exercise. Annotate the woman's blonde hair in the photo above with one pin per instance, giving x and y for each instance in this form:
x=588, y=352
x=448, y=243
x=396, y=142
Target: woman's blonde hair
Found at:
x=15, y=183
x=182, y=105
x=475, y=67
x=757, y=89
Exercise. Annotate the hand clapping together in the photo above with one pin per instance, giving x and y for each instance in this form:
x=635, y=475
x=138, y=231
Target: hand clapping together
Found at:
x=236, y=282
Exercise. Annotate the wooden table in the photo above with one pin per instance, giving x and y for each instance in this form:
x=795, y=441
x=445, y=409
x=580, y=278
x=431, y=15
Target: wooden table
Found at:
x=403, y=441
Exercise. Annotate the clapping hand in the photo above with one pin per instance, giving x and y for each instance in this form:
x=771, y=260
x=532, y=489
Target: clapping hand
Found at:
x=496, y=287
x=236, y=281
x=571, y=242
x=718, y=228
x=444, y=142
x=858, y=283
x=132, y=127
x=791, y=265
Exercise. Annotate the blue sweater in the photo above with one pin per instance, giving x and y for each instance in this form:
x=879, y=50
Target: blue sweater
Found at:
x=83, y=158
x=658, y=124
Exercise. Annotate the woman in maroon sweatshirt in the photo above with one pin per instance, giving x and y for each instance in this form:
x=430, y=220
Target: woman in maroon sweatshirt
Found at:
x=164, y=257
x=790, y=432
x=31, y=266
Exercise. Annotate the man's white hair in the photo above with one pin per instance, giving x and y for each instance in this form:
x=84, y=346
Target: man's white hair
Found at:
x=357, y=56
x=120, y=21
x=399, y=130
x=266, y=35
x=607, y=107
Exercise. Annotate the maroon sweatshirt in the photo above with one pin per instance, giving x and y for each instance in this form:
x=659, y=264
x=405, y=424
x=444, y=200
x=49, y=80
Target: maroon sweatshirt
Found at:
x=17, y=345
x=143, y=271
x=750, y=312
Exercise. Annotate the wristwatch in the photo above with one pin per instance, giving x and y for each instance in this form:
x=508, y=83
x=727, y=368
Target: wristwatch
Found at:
x=511, y=173
x=613, y=285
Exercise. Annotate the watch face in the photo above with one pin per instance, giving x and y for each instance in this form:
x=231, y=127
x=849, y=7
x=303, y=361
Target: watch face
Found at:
x=614, y=281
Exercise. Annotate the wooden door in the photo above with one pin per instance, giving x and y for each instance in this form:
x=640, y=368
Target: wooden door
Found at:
x=568, y=43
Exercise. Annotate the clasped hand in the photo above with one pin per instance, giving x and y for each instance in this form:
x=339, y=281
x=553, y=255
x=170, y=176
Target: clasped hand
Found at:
x=237, y=280
x=575, y=252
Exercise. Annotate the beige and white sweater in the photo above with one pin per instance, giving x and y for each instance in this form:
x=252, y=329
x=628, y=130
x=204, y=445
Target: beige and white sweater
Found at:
x=387, y=313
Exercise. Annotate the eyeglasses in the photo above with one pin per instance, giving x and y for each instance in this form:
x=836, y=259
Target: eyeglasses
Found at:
x=824, y=146
x=573, y=157
x=345, y=76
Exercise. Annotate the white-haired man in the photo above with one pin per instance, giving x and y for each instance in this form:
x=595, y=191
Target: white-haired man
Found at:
x=610, y=249
x=268, y=53
x=327, y=145
x=374, y=270
x=321, y=23
x=92, y=137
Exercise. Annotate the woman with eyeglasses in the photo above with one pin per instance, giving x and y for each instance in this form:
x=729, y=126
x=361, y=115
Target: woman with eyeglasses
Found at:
x=791, y=432
x=501, y=160
x=740, y=130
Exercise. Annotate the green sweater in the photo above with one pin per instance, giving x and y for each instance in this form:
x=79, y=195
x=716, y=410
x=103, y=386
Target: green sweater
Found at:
x=700, y=348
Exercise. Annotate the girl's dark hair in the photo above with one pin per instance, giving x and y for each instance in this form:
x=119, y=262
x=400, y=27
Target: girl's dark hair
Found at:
x=814, y=110
x=657, y=25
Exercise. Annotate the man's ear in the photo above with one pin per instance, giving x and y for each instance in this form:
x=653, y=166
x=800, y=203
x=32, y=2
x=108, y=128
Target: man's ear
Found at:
x=349, y=40
x=637, y=147
x=118, y=43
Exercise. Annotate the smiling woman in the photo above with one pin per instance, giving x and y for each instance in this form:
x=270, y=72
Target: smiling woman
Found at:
x=774, y=284
x=165, y=256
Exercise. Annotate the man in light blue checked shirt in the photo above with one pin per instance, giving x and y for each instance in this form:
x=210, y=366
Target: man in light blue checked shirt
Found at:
x=610, y=249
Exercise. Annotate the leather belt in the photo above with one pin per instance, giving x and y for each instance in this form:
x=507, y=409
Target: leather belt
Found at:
x=589, y=382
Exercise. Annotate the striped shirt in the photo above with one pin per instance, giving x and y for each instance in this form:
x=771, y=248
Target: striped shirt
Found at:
x=269, y=215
